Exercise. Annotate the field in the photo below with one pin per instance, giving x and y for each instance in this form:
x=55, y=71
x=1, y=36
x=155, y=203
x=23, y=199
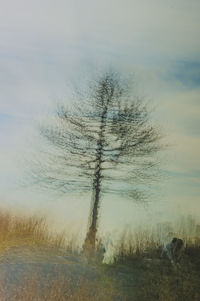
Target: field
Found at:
x=38, y=265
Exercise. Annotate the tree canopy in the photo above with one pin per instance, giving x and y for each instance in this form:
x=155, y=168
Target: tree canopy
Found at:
x=105, y=142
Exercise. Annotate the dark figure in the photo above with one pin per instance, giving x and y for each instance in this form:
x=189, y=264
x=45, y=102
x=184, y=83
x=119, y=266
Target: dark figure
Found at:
x=173, y=250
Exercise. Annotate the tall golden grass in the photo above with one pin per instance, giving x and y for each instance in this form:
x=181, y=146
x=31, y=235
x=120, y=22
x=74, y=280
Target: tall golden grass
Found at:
x=21, y=230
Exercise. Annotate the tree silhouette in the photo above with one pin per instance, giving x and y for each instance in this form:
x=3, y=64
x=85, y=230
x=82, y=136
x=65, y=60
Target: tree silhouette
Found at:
x=104, y=142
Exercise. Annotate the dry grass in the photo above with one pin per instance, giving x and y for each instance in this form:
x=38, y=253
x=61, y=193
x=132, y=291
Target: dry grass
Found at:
x=151, y=280
x=157, y=279
x=28, y=231
x=164, y=282
x=24, y=233
x=144, y=241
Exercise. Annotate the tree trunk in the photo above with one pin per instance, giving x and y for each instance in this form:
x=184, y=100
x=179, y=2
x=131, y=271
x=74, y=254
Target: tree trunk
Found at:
x=90, y=241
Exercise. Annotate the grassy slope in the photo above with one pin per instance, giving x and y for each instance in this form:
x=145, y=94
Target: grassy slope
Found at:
x=37, y=265
x=149, y=278
x=137, y=273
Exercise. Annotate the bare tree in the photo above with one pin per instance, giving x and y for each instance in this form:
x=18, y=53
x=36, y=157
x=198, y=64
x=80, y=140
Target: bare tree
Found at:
x=104, y=142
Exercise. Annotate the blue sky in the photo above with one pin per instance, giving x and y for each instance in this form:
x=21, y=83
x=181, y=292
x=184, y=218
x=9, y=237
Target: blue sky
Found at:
x=48, y=46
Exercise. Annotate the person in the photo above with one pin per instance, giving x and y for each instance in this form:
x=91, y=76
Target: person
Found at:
x=100, y=251
x=173, y=250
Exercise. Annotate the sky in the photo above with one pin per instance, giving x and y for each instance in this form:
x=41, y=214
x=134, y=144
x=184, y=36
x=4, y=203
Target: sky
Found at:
x=47, y=47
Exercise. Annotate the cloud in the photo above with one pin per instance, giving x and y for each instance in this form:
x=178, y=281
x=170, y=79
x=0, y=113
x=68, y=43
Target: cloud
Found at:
x=187, y=72
x=179, y=111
